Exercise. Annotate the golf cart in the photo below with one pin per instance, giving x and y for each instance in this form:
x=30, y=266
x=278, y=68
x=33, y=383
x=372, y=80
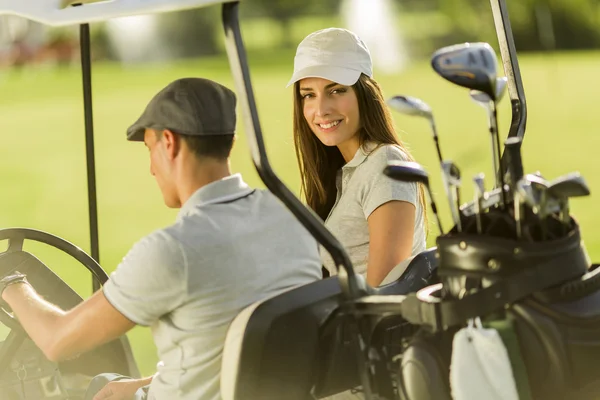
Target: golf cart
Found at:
x=24, y=371
x=338, y=334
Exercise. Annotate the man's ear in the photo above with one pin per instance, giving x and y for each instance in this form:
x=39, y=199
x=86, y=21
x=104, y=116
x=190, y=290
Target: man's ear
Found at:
x=172, y=143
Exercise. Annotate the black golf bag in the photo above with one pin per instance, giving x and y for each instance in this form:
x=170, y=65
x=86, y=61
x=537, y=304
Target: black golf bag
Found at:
x=544, y=293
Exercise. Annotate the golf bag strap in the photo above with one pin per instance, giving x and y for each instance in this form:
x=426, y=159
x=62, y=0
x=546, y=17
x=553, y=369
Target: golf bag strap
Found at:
x=437, y=314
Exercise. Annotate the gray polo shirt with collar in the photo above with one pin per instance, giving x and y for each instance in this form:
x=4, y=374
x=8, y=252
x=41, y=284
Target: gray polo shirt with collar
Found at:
x=361, y=189
x=229, y=247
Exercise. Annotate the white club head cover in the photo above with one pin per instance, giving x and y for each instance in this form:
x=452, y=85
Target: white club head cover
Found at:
x=480, y=367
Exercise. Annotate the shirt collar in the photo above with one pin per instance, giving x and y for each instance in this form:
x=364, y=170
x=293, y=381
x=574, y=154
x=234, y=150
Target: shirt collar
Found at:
x=229, y=188
x=361, y=155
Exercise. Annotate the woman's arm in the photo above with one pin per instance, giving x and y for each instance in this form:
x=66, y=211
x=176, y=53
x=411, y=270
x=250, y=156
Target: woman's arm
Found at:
x=391, y=231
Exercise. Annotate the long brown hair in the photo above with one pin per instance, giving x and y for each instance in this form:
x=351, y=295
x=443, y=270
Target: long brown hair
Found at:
x=319, y=163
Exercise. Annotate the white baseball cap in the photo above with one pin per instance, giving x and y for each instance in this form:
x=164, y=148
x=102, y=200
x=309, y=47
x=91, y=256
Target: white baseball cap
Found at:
x=336, y=54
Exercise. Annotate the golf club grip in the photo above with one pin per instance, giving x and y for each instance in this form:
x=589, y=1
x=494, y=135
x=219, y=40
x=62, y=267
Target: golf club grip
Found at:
x=515, y=163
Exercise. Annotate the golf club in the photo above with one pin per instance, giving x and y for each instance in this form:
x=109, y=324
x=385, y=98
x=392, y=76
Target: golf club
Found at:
x=566, y=186
x=412, y=106
x=490, y=104
x=521, y=189
x=474, y=66
x=410, y=171
x=533, y=190
x=451, y=175
x=478, y=180
x=470, y=65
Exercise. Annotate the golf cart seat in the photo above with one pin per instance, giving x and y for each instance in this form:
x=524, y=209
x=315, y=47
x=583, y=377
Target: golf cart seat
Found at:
x=280, y=347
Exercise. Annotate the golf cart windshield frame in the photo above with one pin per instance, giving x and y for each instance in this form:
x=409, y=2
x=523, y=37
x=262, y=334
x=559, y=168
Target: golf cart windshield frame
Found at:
x=52, y=12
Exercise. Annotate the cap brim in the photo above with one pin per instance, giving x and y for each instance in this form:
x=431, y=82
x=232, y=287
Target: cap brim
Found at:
x=343, y=76
x=135, y=133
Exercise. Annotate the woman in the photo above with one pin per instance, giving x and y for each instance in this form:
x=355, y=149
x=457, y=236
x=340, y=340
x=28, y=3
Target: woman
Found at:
x=344, y=137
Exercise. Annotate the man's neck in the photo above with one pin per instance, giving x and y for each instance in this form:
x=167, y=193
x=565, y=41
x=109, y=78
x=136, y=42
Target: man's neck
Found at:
x=202, y=174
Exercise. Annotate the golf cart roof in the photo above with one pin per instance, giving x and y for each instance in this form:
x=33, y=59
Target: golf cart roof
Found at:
x=63, y=12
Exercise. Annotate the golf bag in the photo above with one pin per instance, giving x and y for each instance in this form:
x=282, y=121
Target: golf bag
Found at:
x=544, y=293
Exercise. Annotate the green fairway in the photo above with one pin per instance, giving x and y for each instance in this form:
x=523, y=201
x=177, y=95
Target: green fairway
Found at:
x=42, y=158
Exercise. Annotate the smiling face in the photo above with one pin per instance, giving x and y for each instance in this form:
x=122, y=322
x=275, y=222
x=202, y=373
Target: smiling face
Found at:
x=331, y=111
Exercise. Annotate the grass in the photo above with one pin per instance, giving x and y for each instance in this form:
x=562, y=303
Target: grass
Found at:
x=42, y=159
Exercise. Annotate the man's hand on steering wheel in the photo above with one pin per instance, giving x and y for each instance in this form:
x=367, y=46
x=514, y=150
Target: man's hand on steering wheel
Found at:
x=11, y=278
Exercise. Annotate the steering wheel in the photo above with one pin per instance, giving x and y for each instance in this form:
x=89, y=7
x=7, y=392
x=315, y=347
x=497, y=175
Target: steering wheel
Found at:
x=16, y=238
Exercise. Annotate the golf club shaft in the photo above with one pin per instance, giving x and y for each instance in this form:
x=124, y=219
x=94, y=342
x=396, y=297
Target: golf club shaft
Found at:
x=436, y=140
x=434, y=209
x=498, y=170
x=456, y=195
x=518, y=209
x=479, y=190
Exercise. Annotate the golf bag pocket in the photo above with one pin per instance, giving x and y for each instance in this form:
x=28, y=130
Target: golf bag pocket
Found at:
x=560, y=345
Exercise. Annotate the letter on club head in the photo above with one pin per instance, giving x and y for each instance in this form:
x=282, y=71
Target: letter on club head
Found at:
x=470, y=65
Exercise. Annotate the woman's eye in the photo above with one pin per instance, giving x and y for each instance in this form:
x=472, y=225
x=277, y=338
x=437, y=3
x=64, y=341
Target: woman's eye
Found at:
x=307, y=95
x=338, y=90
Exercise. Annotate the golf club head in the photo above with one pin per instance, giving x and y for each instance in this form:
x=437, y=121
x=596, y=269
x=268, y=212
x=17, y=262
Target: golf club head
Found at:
x=537, y=181
x=569, y=185
x=451, y=172
x=525, y=191
x=410, y=106
x=480, y=98
x=407, y=171
x=531, y=188
x=501, y=84
x=483, y=99
x=470, y=65
x=479, y=182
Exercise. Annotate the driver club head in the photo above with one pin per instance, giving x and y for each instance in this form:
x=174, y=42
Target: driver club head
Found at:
x=470, y=65
x=410, y=106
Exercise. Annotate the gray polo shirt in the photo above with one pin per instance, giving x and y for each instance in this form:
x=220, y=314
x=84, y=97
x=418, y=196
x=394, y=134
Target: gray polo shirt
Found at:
x=361, y=188
x=229, y=247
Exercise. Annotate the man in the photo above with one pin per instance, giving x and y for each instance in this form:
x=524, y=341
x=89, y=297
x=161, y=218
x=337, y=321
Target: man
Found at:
x=230, y=246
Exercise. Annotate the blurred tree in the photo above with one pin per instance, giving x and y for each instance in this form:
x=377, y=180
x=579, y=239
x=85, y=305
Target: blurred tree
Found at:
x=191, y=33
x=536, y=24
x=284, y=11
